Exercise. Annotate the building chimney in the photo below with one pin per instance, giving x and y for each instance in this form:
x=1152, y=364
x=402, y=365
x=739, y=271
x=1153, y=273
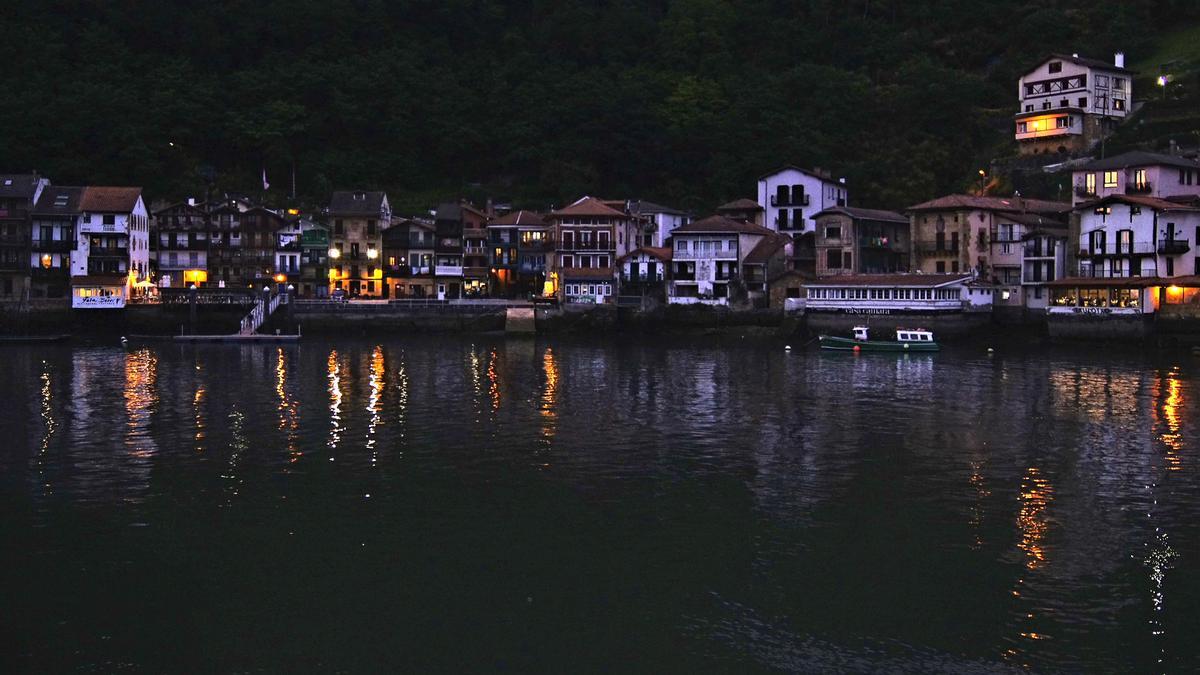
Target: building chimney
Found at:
x=1174, y=148
x=1119, y=59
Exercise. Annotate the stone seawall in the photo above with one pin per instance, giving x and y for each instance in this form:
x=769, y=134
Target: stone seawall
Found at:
x=57, y=318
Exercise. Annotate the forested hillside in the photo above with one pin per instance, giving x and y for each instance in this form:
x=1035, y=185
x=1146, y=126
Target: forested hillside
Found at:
x=682, y=101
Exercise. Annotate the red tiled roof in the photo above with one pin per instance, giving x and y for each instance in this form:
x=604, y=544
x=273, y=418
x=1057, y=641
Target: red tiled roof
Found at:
x=766, y=247
x=586, y=273
x=865, y=214
x=588, y=206
x=721, y=224
x=109, y=199
x=1141, y=200
x=891, y=280
x=956, y=202
x=521, y=217
x=662, y=253
x=742, y=204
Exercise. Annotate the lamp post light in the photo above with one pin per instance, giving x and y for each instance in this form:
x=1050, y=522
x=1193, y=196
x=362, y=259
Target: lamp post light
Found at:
x=192, y=293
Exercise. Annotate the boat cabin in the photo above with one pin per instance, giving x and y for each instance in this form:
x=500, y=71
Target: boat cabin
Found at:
x=862, y=333
x=913, y=335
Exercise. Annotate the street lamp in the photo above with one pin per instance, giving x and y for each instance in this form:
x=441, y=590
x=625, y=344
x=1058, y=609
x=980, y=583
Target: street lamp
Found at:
x=372, y=253
x=335, y=253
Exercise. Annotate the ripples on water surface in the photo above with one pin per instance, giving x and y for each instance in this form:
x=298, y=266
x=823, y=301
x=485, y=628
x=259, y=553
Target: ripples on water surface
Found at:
x=579, y=505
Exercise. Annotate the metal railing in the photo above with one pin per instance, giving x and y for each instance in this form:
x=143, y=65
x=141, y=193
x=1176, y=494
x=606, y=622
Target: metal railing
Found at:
x=804, y=200
x=1174, y=246
x=1118, y=248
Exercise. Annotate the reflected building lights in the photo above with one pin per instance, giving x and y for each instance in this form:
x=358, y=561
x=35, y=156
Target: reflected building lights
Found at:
x=1035, y=496
x=1169, y=390
x=238, y=445
x=198, y=421
x=375, y=399
x=49, y=427
x=141, y=372
x=335, y=400
x=493, y=381
x=981, y=493
x=401, y=397
x=548, y=405
x=289, y=418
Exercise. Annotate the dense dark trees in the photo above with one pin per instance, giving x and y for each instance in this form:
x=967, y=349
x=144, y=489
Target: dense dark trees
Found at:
x=683, y=101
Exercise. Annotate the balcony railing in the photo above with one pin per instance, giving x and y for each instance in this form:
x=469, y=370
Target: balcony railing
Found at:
x=1174, y=246
x=53, y=245
x=1139, y=188
x=13, y=265
x=19, y=239
x=1089, y=272
x=938, y=247
x=1118, y=248
x=448, y=270
x=1084, y=193
x=108, y=252
x=723, y=254
x=586, y=246
x=802, y=200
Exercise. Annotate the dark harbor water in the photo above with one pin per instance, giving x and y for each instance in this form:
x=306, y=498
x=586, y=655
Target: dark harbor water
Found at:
x=492, y=504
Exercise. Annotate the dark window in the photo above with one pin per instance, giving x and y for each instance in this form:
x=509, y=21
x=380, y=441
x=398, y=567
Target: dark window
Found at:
x=954, y=266
x=339, y=227
x=833, y=259
x=1083, y=102
x=110, y=220
x=370, y=227
x=1055, y=67
x=794, y=292
x=941, y=267
x=1170, y=267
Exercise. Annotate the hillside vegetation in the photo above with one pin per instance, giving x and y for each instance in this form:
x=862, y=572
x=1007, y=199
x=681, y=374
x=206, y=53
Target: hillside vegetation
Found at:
x=680, y=101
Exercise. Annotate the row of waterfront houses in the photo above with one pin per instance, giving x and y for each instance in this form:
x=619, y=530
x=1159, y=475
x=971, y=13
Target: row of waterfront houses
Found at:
x=1133, y=218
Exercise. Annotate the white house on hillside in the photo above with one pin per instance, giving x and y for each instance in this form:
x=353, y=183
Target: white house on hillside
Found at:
x=1068, y=102
x=790, y=196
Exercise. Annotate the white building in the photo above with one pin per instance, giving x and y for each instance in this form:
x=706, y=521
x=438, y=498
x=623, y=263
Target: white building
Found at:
x=707, y=256
x=1069, y=102
x=112, y=255
x=658, y=222
x=1137, y=173
x=287, y=249
x=1134, y=235
x=791, y=196
x=897, y=294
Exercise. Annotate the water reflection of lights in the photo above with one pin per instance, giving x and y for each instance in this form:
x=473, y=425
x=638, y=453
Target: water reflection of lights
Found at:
x=493, y=381
x=374, y=401
x=476, y=382
x=238, y=445
x=141, y=371
x=49, y=427
x=335, y=400
x=198, y=409
x=981, y=493
x=548, y=406
x=401, y=396
x=289, y=414
x=1159, y=561
x=1169, y=417
x=1036, y=495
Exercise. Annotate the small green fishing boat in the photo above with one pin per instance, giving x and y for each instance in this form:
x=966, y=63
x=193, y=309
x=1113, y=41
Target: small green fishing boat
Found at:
x=907, y=340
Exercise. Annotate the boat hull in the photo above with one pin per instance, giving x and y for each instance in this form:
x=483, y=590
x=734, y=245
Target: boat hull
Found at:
x=842, y=344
